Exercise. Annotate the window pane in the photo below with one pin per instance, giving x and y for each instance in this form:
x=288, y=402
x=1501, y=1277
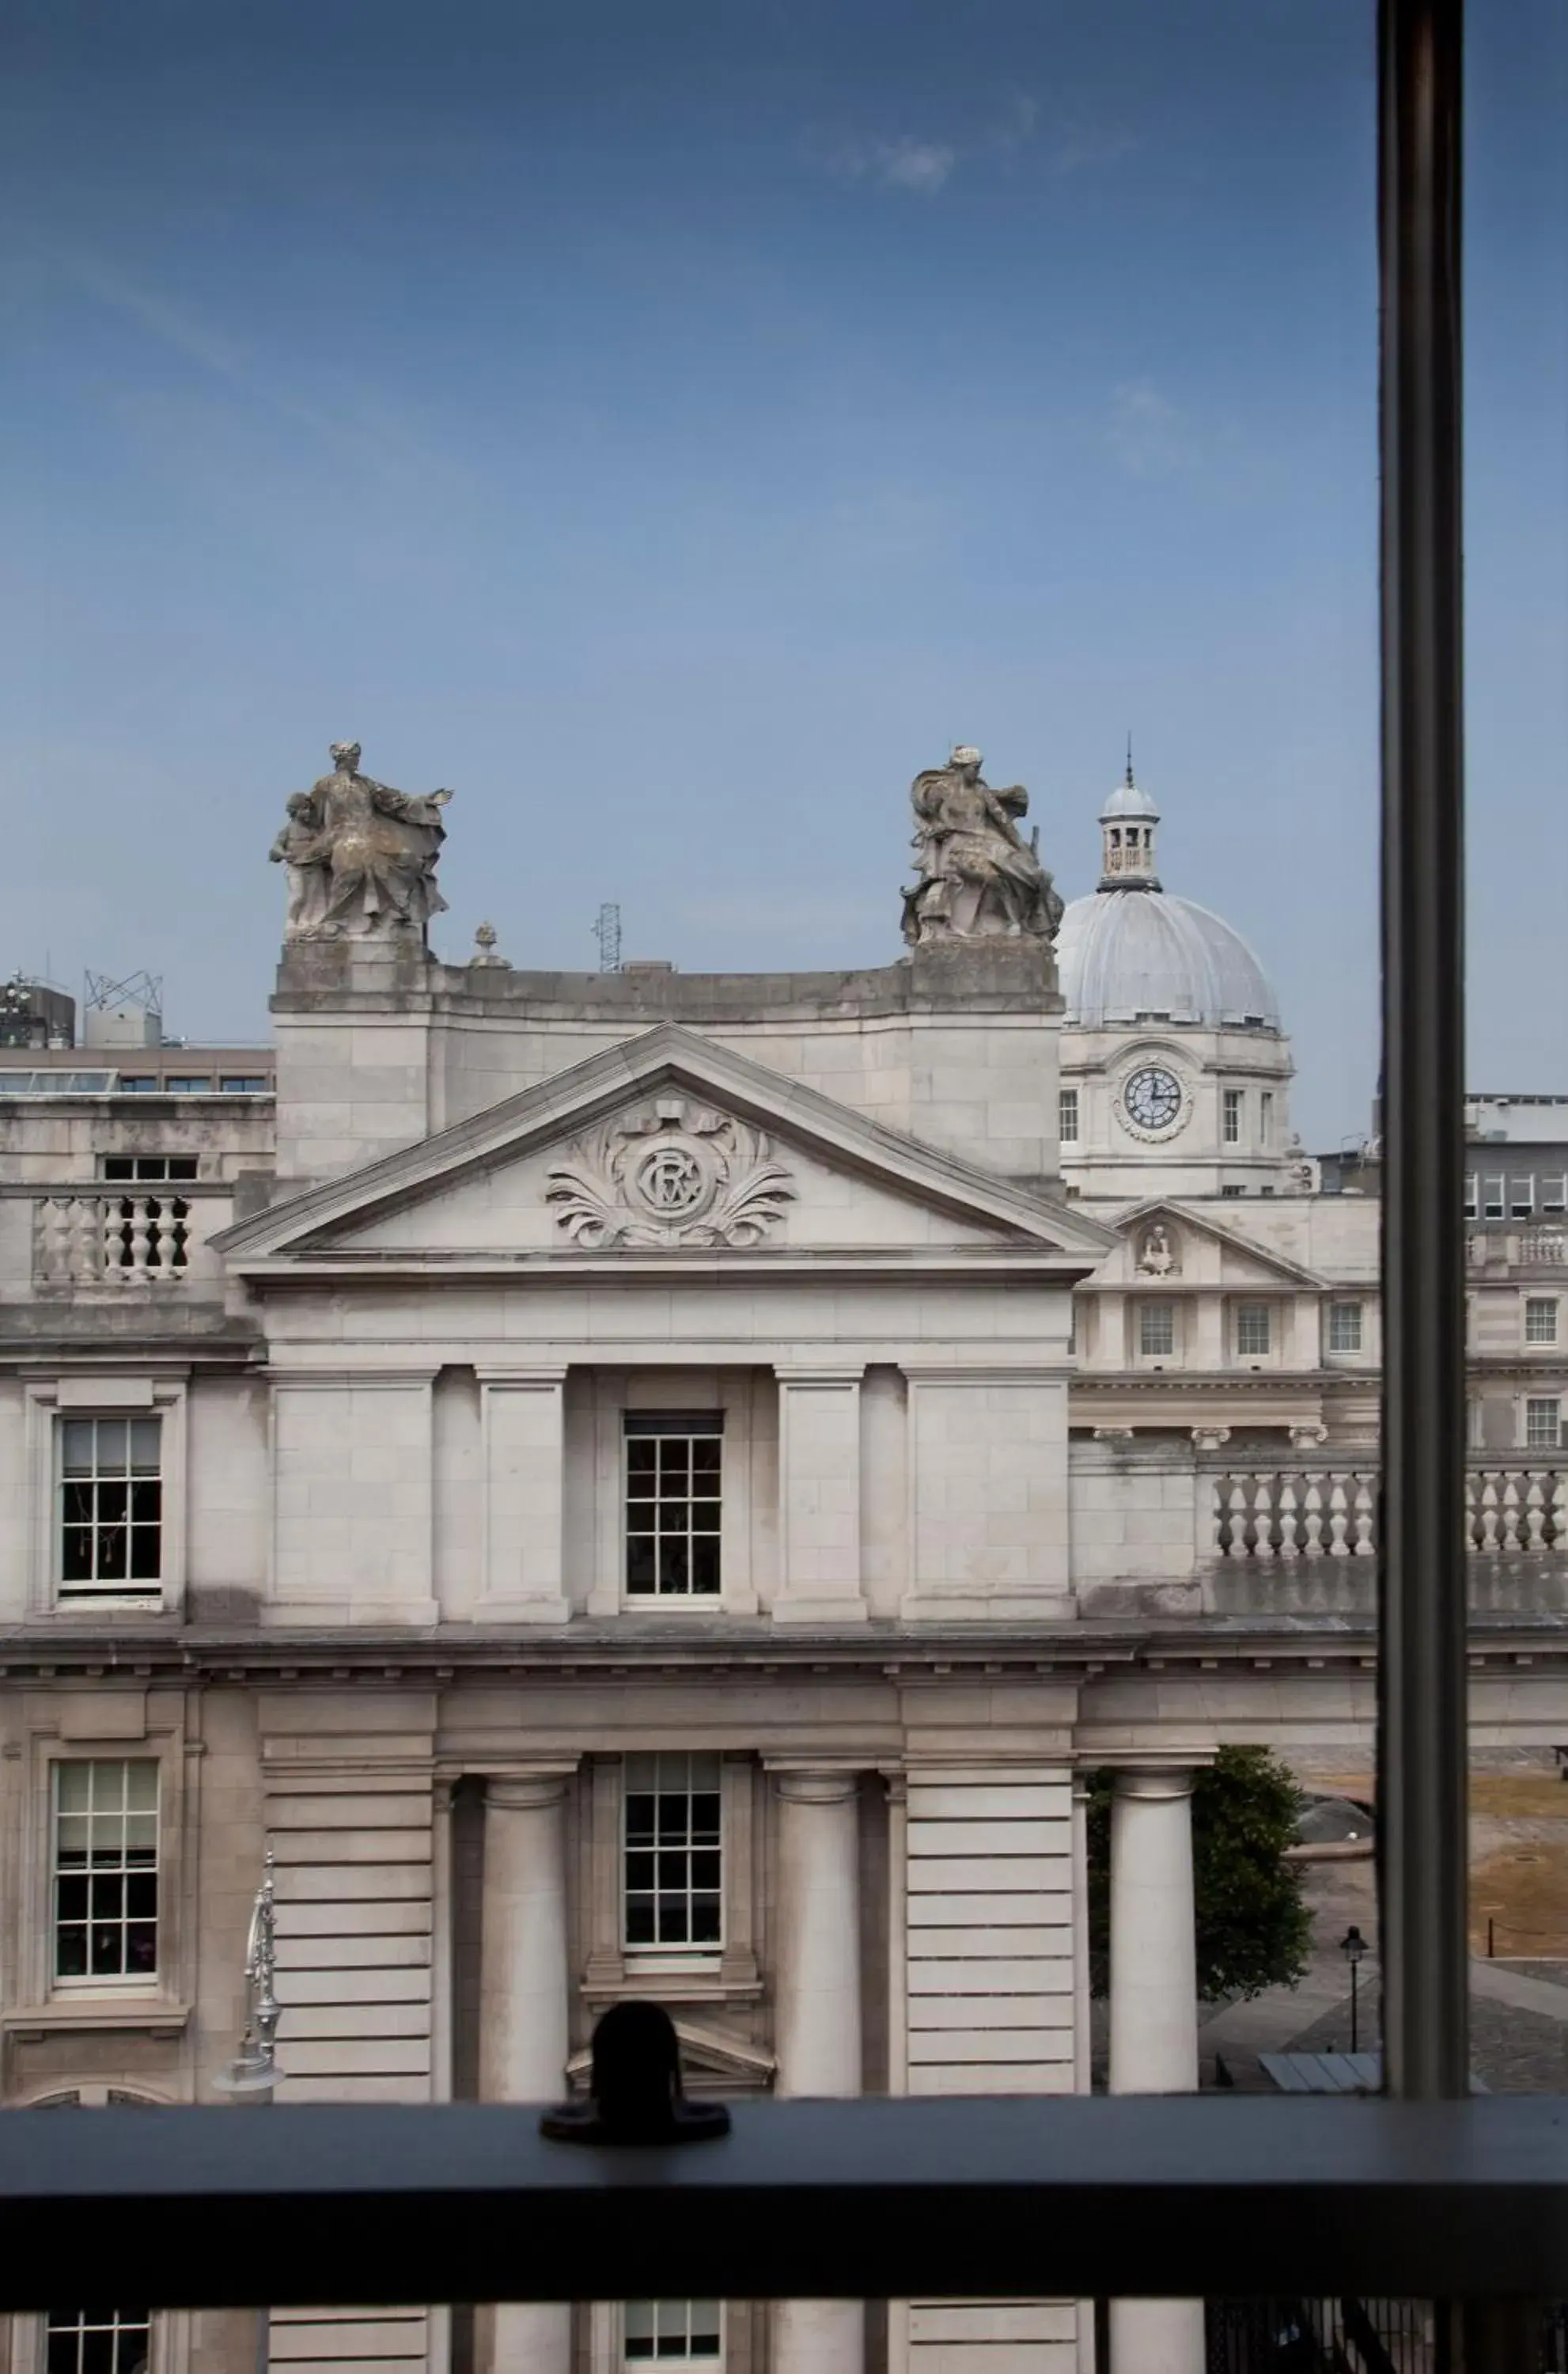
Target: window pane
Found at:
x=76, y=1446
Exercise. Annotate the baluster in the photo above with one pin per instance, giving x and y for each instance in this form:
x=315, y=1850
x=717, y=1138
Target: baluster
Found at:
x=1488, y=1516
x=1314, y=1505
x=1510, y=1512
x=52, y=1240
x=1560, y=1509
x=87, y=1246
x=1263, y=1506
x=113, y=1237
x=141, y=1244
x=1288, y=1519
x=1236, y=1541
x=1535, y=1514
x=1338, y=1521
x=1470, y=1510
x=1365, y=1511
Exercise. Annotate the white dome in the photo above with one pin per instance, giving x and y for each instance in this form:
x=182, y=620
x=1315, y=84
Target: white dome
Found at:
x=1129, y=799
x=1126, y=956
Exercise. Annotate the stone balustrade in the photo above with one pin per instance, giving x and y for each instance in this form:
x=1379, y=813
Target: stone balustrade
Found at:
x=1312, y=1510
x=151, y=1236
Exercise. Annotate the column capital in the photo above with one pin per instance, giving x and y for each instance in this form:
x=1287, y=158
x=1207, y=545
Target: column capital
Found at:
x=815, y=1785
x=526, y=1791
x=1154, y=1783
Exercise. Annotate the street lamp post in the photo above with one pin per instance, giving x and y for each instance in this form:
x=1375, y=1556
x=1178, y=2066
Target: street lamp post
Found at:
x=1353, y=1944
x=253, y=2075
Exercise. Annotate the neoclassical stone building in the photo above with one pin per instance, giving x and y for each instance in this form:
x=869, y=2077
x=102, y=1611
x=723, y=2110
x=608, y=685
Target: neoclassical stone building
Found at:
x=641, y=1484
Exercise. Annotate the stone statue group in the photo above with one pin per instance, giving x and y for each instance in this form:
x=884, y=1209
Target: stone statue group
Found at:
x=361, y=858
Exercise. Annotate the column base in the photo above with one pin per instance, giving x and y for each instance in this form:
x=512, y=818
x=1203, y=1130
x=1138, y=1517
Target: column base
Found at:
x=523, y=1611
x=824, y=1607
x=946, y=1607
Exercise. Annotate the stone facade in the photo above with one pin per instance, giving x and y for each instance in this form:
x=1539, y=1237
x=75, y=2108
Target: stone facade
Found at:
x=644, y=1485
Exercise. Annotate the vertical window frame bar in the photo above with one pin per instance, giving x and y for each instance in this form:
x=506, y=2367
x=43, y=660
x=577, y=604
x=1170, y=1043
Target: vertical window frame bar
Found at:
x=1421, y=1675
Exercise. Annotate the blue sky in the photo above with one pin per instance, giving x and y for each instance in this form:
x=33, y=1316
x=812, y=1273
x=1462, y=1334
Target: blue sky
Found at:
x=673, y=428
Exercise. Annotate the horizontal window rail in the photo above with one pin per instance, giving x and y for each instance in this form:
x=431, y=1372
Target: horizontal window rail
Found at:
x=1159, y=2196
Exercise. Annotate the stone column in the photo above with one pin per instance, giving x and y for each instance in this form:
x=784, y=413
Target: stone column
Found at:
x=1153, y=2016
x=817, y=2020
x=523, y=2008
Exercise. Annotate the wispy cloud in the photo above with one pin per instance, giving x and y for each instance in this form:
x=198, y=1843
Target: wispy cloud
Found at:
x=1084, y=147
x=1146, y=431
x=1065, y=144
x=372, y=439
x=906, y=163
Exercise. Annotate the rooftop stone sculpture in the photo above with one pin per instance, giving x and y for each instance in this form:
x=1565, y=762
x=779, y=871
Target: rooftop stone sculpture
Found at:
x=978, y=877
x=361, y=858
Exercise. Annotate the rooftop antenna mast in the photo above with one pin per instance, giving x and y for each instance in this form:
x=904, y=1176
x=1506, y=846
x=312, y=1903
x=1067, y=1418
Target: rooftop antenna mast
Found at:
x=607, y=931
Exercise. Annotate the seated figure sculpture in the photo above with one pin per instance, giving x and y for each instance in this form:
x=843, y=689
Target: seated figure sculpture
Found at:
x=978, y=877
x=361, y=857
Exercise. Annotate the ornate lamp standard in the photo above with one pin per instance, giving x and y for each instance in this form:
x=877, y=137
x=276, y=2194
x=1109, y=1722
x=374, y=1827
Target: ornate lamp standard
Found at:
x=253, y=2072
x=1353, y=1944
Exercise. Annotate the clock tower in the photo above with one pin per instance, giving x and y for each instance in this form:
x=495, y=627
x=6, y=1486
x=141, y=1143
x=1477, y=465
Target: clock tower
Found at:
x=1175, y=1068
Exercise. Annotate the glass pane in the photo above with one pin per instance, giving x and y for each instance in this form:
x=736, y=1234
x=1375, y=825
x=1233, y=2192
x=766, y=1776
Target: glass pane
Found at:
x=141, y=1784
x=76, y=1446
x=112, y=1439
x=145, y=1434
x=72, y=1787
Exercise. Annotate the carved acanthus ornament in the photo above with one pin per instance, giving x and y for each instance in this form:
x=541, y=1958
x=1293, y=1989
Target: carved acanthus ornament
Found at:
x=670, y=1173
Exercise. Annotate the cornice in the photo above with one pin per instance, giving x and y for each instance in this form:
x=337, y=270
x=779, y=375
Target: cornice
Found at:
x=43, y=1654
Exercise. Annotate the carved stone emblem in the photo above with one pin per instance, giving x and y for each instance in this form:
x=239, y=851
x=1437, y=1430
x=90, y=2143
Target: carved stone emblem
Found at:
x=670, y=1173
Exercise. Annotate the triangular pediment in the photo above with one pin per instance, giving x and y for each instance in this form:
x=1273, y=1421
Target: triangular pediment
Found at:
x=1165, y=1241
x=712, y=2061
x=666, y=1147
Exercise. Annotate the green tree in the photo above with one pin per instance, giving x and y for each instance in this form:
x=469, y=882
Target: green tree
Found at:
x=1252, y=1927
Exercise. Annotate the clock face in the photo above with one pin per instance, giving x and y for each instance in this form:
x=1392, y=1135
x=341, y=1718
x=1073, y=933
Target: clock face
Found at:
x=1153, y=1097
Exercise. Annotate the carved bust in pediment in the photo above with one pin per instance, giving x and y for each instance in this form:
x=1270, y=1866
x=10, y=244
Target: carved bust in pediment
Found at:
x=1157, y=1257
x=670, y=1173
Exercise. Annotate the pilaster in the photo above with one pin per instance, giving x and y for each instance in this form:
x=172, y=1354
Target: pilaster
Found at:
x=819, y=1496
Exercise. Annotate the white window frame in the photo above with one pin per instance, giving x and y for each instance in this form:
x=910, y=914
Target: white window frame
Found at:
x=1540, y=1319
x=1341, y=1312
x=45, y=1402
x=1554, y=1195
x=671, y=2317
x=106, y=1433
x=596, y=1489
x=1069, y=1116
x=672, y=1954
x=1266, y=1117
x=1493, y=1195
x=1232, y=1105
x=1537, y=1437
x=111, y=1982
x=1248, y=1310
x=1472, y=1196
x=660, y=1427
x=1522, y=1196
x=1153, y=1307
x=104, y=1720
x=146, y=2322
